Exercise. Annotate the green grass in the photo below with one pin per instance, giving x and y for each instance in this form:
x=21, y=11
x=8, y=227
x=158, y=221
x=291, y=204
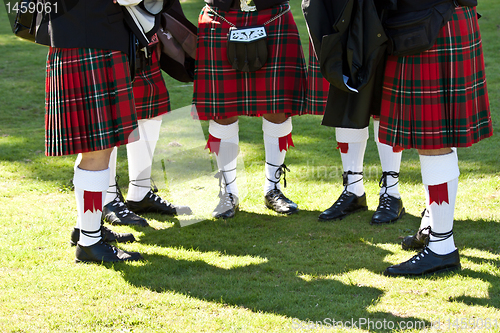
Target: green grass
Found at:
x=259, y=272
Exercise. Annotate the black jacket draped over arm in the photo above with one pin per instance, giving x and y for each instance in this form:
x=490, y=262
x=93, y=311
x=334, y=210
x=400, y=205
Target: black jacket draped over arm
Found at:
x=350, y=43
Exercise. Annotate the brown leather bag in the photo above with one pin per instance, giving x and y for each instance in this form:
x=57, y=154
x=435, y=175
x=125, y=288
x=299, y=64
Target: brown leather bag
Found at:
x=178, y=38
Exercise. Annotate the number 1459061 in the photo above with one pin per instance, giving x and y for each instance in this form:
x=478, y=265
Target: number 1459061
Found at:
x=31, y=7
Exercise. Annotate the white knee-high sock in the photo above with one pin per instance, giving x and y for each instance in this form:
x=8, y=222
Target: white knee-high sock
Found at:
x=90, y=190
x=390, y=159
x=140, y=158
x=77, y=163
x=112, y=190
x=440, y=177
x=224, y=143
x=275, y=153
x=352, y=145
x=426, y=220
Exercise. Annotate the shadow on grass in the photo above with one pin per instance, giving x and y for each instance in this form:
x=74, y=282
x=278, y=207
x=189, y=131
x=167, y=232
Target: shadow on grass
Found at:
x=287, y=265
x=292, y=265
x=493, y=297
x=492, y=300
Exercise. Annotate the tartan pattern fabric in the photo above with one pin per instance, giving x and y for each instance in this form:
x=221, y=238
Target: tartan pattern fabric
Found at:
x=317, y=86
x=89, y=103
x=438, y=98
x=150, y=93
x=278, y=87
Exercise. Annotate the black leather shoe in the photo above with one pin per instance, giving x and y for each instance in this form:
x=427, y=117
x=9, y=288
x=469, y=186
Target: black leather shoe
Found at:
x=117, y=213
x=108, y=236
x=152, y=203
x=389, y=210
x=227, y=207
x=426, y=262
x=346, y=204
x=417, y=241
x=276, y=200
x=104, y=252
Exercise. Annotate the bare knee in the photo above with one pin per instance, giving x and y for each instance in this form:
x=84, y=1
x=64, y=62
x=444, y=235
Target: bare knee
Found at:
x=95, y=160
x=226, y=121
x=434, y=152
x=276, y=118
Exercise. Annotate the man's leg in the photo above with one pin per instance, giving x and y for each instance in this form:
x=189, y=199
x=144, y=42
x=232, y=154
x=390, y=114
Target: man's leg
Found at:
x=115, y=211
x=440, y=178
x=352, y=146
x=107, y=234
x=91, y=180
x=223, y=141
x=390, y=207
x=277, y=139
x=141, y=197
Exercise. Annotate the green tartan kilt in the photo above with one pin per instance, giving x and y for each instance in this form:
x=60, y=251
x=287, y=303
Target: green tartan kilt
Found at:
x=89, y=101
x=438, y=98
x=150, y=93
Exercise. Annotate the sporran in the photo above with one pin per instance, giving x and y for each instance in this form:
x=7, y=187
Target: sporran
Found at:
x=247, y=46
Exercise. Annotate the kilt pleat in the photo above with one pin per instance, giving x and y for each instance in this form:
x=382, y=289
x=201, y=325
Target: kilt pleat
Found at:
x=278, y=87
x=438, y=98
x=150, y=93
x=317, y=86
x=89, y=101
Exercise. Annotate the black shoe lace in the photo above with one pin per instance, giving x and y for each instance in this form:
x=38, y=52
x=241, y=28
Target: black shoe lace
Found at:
x=345, y=178
x=425, y=237
x=441, y=236
x=226, y=202
x=345, y=182
x=385, y=201
x=119, y=200
x=280, y=171
x=152, y=185
x=341, y=199
x=92, y=233
x=221, y=175
x=383, y=180
x=117, y=190
x=419, y=256
x=153, y=190
x=122, y=208
x=156, y=197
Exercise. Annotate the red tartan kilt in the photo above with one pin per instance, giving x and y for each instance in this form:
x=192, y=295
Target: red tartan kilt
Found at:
x=278, y=87
x=89, y=102
x=438, y=98
x=150, y=93
x=317, y=86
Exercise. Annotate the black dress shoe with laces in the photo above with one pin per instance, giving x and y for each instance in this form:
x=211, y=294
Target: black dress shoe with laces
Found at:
x=417, y=241
x=389, y=210
x=426, y=262
x=104, y=252
x=108, y=236
x=152, y=203
x=346, y=204
x=276, y=200
x=227, y=207
x=117, y=213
